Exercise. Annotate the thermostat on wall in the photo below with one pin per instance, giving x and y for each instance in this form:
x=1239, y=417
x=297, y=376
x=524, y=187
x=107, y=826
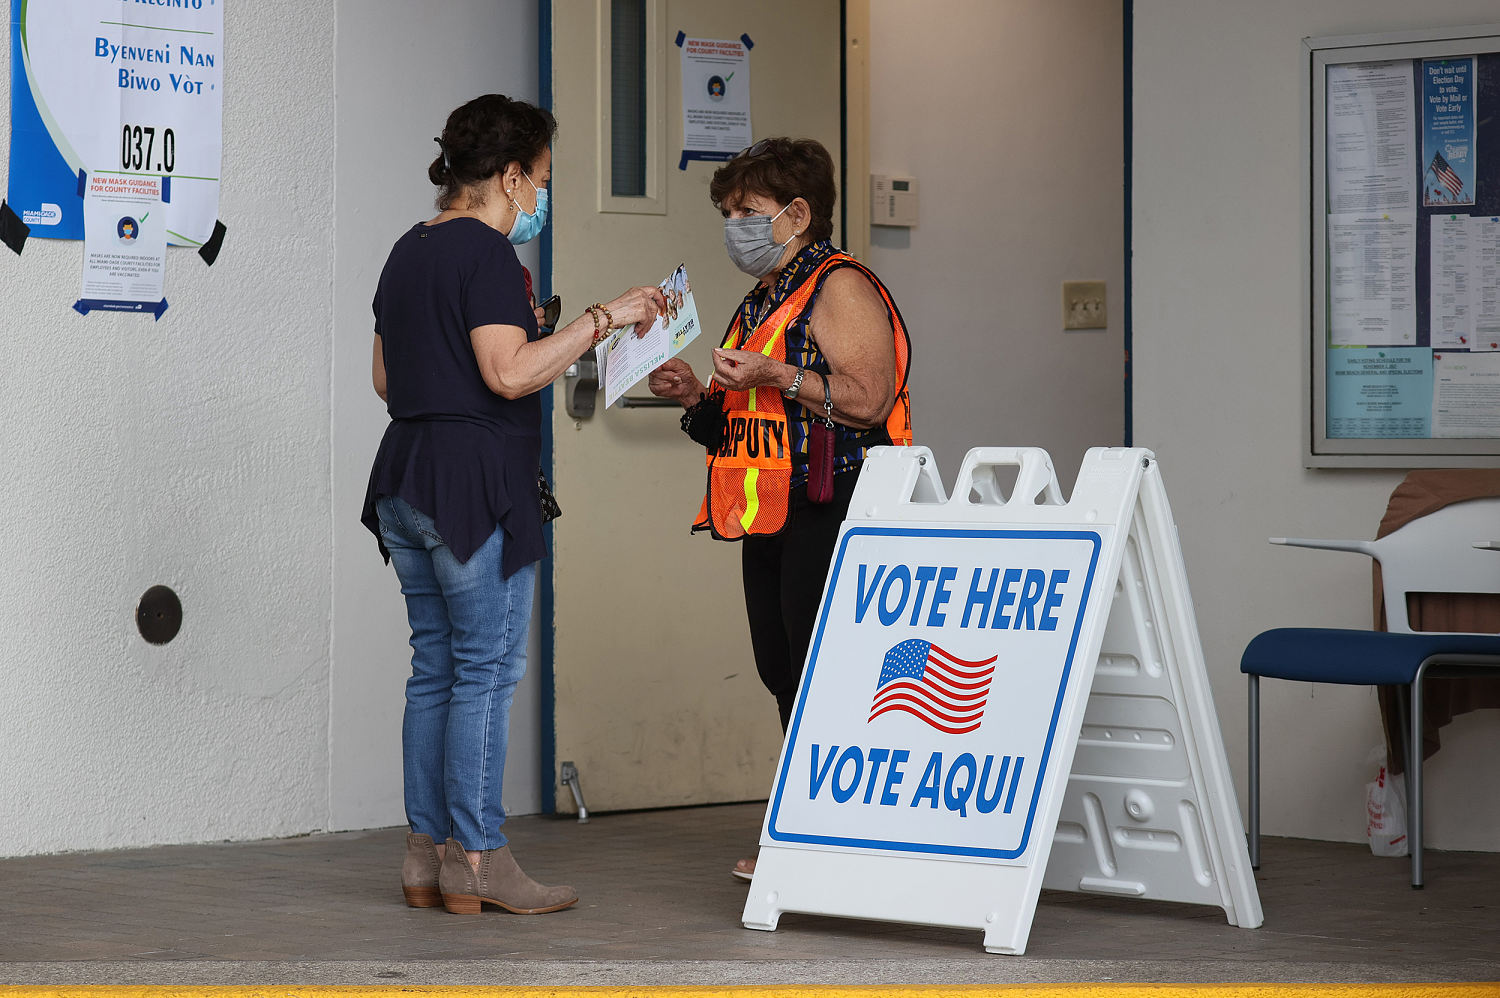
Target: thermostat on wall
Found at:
x=893, y=200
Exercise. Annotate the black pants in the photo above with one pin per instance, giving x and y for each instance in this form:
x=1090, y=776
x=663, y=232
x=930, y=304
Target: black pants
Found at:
x=784, y=578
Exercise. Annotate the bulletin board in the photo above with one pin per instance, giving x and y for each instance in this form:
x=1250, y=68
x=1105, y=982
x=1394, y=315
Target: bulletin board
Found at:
x=1404, y=264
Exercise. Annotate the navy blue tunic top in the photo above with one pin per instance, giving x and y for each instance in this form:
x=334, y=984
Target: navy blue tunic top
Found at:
x=455, y=450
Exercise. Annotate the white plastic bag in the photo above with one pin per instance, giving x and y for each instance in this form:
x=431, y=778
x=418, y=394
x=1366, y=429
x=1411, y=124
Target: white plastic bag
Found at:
x=1385, y=808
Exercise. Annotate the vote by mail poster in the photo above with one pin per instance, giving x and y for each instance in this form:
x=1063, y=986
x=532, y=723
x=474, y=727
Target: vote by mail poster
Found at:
x=1448, y=132
x=125, y=87
x=928, y=720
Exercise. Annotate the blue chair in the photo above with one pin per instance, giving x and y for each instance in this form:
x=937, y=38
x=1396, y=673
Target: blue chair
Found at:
x=1437, y=553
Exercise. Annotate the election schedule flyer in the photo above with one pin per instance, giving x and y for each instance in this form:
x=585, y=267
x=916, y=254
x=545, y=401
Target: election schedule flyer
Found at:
x=626, y=358
x=116, y=86
x=1380, y=393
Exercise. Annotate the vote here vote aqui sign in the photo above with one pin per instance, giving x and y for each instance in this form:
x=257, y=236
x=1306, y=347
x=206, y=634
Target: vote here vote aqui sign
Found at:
x=928, y=716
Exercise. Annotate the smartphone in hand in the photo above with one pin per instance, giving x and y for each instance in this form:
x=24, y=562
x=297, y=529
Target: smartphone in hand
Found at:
x=551, y=310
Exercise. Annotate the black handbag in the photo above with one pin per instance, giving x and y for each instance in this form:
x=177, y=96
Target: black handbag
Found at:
x=705, y=421
x=550, y=509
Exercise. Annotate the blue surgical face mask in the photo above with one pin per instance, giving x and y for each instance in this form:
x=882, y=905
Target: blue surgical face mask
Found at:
x=751, y=246
x=528, y=224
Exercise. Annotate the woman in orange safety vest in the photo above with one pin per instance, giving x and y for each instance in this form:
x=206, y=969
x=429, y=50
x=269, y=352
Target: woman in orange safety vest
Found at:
x=811, y=374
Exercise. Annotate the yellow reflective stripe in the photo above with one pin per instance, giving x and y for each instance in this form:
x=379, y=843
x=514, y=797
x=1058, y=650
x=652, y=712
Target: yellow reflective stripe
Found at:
x=734, y=336
x=780, y=331
x=771, y=343
x=752, y=499
x=1078, y=990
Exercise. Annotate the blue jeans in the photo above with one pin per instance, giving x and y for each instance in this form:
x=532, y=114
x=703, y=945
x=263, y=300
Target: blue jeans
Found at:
x=468, y=637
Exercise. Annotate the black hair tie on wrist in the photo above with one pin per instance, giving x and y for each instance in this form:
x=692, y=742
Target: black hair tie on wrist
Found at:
x=705, y=422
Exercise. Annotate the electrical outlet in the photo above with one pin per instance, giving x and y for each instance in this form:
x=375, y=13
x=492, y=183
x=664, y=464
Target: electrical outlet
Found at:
x=1083, y=305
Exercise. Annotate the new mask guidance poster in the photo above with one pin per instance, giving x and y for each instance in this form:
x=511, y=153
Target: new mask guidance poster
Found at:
x=120, y=87
x=125, y=244
x=715, y=97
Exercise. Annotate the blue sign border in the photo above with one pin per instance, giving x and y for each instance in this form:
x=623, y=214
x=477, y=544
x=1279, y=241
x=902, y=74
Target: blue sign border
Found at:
x=812, y=662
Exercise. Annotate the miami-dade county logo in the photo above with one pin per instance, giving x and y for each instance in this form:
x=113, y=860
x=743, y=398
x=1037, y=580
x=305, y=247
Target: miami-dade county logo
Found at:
x=45, y=214
x=939, y=688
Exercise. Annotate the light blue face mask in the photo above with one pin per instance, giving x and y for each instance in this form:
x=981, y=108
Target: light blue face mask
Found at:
x=528, y=225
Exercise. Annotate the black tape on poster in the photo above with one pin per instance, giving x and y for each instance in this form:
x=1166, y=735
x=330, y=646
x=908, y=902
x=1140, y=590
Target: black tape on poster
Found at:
x=13, y=231
x=210, y=250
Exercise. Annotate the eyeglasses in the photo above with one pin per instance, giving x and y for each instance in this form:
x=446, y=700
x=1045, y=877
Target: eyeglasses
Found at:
x=764, y=145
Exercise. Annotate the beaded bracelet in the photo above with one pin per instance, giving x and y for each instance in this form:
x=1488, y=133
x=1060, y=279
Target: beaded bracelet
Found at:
x=609, y=322
x=593, y=312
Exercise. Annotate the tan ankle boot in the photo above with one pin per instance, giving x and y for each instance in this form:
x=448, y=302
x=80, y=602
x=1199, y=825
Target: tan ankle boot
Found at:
x=498, y=882
x=419, y=872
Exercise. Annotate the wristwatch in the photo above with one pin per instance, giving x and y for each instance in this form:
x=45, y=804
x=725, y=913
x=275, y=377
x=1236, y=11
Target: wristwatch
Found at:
x=791, y=392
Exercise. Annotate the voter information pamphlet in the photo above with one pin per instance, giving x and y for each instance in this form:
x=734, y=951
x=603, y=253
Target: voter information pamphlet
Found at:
x=624, y=358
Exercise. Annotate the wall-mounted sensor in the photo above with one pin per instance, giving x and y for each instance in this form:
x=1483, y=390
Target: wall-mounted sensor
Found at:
x=159, y=615
x=893, y=200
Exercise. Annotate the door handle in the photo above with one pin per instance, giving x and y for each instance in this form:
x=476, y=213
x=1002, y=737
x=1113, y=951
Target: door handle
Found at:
x=580, y=386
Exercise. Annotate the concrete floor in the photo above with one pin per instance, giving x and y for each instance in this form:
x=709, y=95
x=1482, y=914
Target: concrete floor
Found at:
x=659, y=907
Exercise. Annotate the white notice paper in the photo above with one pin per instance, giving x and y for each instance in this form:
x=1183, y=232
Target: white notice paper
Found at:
x=625, y=358
x=715, y=95
x=1372, y=138
x=1484, y=270
x=124, y=242
x=1448, y=267
x=1371, y=279
x=1466, y=395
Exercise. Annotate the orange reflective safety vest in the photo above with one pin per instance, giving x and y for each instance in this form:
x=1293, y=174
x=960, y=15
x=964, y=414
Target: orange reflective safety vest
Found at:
x=750, y=475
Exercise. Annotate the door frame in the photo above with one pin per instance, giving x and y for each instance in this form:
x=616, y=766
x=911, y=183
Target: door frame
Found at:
x=854, y=217
x=546, y=588
x=1128, y=89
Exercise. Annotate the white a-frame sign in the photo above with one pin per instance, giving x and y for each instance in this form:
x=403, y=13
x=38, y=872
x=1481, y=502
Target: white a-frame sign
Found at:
x=1004, y=692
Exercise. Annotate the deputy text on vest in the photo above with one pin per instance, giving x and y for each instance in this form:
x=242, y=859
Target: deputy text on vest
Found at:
x=755, y=435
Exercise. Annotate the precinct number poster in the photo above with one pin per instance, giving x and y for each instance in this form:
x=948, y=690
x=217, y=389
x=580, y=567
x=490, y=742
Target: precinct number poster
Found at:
x=928, y=720
x=116, y=86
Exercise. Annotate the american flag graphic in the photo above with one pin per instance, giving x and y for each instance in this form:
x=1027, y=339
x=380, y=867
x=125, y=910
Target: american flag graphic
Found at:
x=1445, y=174
x=927, y=682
